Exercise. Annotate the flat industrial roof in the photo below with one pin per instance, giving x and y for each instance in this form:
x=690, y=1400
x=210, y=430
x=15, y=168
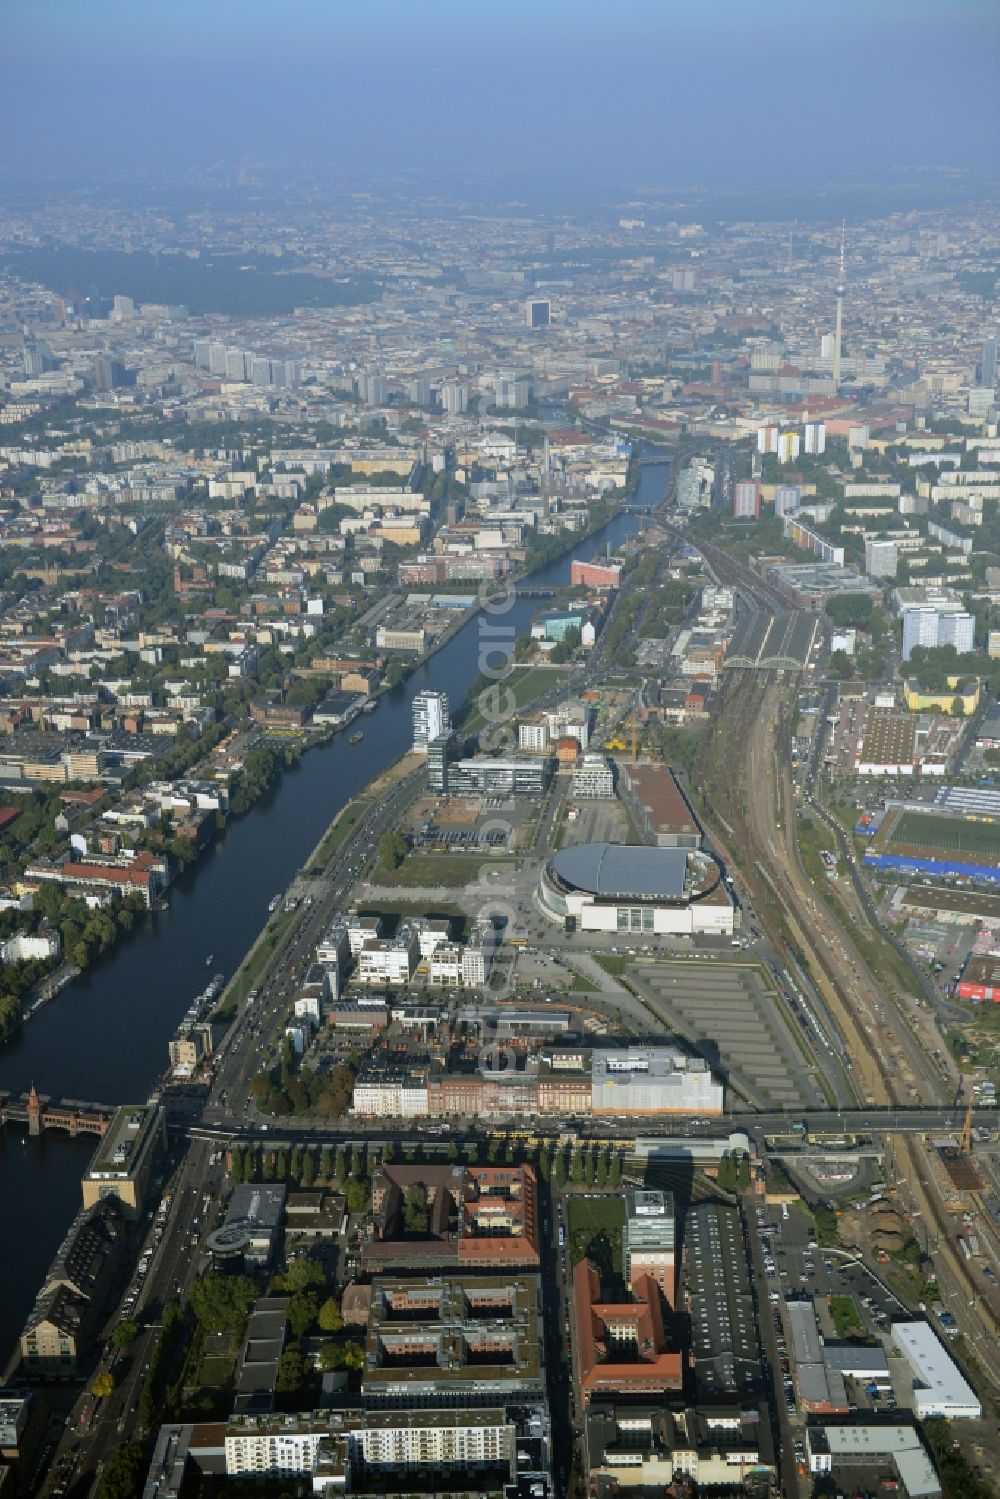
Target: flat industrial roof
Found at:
x=939, y=1385
x=624, y=871
x=972, y=903
x=657, y=789
x=901, y=1443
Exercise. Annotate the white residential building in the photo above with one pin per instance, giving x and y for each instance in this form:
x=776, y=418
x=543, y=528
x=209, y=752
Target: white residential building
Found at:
x=533, y=737
x=431, y=718
x=934, y=626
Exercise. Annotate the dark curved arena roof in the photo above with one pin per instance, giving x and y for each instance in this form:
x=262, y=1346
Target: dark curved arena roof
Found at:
x=619, y=871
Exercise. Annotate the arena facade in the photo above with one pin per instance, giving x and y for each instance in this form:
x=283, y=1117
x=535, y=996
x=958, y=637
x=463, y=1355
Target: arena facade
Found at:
x=636, y=891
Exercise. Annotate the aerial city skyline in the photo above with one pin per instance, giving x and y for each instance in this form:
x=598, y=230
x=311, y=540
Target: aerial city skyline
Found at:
x=499, y=735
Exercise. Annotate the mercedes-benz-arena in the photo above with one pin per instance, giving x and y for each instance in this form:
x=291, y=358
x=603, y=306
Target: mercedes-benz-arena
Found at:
x=637, y=891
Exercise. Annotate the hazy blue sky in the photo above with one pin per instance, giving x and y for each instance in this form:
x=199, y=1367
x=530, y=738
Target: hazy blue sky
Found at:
x=634, y=92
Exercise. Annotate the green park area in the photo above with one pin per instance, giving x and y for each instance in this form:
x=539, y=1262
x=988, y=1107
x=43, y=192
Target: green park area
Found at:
x=595, y=1226
x=498, y=700
x=452, y=870
x=846, y=1321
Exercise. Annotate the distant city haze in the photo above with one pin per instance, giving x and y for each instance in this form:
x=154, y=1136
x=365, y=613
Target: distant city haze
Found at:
x=578, y=97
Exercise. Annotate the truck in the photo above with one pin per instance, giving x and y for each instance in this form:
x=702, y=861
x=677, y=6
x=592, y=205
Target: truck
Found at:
x=963, y=1246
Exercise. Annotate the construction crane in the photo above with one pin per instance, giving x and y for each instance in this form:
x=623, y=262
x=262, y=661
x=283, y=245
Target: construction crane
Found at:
x=635, y=728
x=965, y=1138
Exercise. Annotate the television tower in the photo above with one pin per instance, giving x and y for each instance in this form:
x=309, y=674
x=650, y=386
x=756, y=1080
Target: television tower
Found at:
x=839, y=326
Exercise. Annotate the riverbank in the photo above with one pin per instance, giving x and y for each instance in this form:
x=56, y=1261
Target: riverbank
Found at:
x=107, y=1036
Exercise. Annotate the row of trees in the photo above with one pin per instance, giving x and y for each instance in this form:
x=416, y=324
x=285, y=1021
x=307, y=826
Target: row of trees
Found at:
x=302, y=1167
x=163, y=1362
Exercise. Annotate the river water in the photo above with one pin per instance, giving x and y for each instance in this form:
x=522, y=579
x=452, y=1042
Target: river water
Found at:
x=105, y=1036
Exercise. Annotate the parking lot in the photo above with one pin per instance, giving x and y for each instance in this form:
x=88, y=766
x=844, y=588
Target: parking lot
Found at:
x=734, y=1007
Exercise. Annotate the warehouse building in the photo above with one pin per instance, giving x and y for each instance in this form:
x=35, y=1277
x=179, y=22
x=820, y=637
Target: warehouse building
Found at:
x=659, y=806
x=980, y=979
x=939, y=1387
x=123, y=1162
x=863, y=1455
x=718, y=1298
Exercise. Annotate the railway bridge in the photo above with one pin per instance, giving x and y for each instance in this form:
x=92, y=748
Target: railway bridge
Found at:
x=41, y=1112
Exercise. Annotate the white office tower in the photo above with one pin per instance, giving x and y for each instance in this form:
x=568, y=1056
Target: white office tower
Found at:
x=767, y=439
x=881, y=559
x=650, y=1239
x=431, y=718
x=815, y=437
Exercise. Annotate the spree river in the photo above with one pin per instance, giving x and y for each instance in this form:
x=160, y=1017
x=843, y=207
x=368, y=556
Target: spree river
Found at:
x=105, y=1036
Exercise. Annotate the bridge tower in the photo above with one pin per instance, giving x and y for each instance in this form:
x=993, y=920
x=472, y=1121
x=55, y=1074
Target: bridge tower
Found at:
x=34, y=1112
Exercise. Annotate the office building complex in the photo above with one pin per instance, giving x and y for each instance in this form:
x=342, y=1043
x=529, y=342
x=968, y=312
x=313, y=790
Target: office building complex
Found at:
x=653, y=1080
x=483, y=776
x=123, y=1163
x=252, y=1228
x=431, y=718
x=620, y=1348
x=593, y=779
x=437, y=764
